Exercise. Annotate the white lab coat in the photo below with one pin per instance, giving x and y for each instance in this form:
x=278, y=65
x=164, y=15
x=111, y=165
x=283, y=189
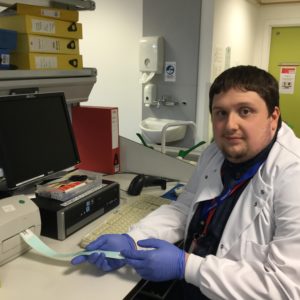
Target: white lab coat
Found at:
x=259, y=252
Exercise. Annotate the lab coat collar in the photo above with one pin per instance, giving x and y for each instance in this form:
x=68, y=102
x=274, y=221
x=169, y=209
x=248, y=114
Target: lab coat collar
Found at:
x=250, y=204
x=212, y=181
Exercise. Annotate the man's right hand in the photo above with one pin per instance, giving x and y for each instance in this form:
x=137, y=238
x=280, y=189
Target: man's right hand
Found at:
x=107, y=242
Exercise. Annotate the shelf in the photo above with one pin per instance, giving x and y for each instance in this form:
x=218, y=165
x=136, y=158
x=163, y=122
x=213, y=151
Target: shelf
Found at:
x=42, y=74
x=67, y=4
x=76, y=84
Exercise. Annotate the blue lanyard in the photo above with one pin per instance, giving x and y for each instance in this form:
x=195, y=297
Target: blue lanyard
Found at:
x=227, y=191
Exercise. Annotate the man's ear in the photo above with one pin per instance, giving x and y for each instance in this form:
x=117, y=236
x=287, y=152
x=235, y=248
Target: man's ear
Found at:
x=275, y=117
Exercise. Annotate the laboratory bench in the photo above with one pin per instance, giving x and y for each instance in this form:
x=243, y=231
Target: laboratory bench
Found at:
x=33, y=276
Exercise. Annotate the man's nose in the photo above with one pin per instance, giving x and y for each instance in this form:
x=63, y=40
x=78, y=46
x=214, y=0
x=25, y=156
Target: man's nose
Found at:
x=232, y=121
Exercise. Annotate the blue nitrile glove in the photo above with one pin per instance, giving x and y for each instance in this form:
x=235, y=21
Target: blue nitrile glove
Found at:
x=109, y=242
x=164, y=263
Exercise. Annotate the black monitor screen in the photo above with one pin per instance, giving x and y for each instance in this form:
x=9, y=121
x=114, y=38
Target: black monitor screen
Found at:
x=36, y=137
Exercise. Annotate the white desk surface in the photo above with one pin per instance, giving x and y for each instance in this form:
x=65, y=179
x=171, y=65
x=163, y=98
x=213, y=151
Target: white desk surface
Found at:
x=34, y=277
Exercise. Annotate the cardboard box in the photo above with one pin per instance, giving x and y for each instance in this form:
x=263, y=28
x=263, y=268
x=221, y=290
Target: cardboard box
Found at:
x=96, y=131
x=8, y=39
x=41, y=26
x=40, y=61
x=42, y=11
x=45, y=44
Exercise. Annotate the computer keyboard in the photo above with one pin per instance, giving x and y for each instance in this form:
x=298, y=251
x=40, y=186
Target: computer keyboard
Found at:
x=125, y=216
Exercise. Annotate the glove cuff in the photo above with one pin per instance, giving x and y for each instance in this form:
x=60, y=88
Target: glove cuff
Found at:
x=130, y=240
x=181, y=265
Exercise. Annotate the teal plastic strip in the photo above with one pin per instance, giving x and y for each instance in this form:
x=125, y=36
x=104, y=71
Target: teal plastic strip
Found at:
x=35, y=242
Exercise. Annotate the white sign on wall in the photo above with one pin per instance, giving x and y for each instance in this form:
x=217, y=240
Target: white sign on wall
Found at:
x=170, y=71
x=287, y=79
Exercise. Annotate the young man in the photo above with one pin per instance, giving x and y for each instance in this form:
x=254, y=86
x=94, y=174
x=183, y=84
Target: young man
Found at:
x=239, y=215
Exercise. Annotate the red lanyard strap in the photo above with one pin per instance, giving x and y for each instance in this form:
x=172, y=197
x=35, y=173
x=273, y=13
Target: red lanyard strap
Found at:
x=229, y=190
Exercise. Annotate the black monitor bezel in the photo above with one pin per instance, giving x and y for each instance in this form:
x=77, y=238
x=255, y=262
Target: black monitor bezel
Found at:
x=10, y=184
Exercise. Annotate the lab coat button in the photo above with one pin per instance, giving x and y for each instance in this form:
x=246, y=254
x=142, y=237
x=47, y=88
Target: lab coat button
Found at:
x=262, y=192
x=206, y=177
x=222, y=246
x=255, y=204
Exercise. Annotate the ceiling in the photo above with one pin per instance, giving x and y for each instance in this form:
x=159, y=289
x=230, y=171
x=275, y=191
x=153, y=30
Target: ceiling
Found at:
x=277, y=1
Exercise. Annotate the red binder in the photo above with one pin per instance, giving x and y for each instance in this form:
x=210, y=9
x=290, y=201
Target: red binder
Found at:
x=96, y=131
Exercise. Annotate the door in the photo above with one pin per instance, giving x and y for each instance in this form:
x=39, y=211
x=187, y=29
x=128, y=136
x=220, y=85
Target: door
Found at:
x=284, y=65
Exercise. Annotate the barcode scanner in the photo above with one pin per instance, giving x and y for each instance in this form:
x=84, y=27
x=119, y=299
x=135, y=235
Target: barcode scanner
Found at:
x=141, y=180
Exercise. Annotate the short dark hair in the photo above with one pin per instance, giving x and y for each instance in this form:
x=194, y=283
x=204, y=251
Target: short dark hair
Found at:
x=247, y=78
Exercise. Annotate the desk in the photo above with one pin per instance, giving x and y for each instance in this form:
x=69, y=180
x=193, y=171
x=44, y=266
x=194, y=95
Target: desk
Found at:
x=34, y=277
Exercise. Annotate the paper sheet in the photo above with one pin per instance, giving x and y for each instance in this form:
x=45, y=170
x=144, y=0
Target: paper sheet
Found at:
x=146, y=77
x=33, y=241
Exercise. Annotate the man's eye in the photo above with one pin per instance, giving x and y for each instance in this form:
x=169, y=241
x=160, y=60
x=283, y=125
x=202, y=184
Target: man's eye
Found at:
x=220, y=113
x=245, y=111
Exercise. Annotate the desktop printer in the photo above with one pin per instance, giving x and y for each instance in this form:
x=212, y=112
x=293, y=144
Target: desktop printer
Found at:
x=17, y=213
x=61, y=219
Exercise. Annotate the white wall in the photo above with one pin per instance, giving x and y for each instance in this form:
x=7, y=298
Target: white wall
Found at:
x=110, y=44
x=234, y=26
x=246, y=26
x=204, y=69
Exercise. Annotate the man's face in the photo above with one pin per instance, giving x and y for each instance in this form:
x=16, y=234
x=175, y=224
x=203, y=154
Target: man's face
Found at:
x=241, y=124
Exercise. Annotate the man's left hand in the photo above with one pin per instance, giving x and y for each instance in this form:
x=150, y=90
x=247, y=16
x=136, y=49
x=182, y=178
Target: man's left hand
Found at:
x=164, y=262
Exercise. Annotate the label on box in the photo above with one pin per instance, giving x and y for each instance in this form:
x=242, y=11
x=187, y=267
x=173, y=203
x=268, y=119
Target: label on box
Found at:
x=70, y=186
x=114, y=129
x=4, y=59
x=43, y=44
x=46, y=62
x=41, y=26
x=50, y=13
x=8, y=208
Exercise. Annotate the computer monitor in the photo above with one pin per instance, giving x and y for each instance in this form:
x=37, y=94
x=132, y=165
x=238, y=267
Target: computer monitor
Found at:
x=36, y=138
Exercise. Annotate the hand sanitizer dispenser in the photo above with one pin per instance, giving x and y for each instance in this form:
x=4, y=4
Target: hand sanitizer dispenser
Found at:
x=150, y=94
